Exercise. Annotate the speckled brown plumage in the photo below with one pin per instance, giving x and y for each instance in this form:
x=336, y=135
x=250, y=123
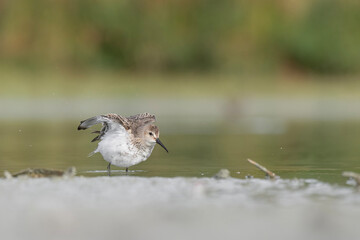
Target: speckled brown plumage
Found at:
x=124, y=141
x=132, y=124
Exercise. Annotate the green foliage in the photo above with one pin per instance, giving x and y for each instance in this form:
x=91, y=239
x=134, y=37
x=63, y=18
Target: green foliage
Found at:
x=327, y=40
x=177, y=35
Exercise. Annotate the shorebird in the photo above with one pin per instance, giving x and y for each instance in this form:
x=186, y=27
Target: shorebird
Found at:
x=124, y=141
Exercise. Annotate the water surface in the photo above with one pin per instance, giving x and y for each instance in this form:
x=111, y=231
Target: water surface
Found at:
x=312, y=149
x=172, y=195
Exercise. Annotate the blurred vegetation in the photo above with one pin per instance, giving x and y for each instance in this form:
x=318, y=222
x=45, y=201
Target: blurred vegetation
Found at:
x=320, y=36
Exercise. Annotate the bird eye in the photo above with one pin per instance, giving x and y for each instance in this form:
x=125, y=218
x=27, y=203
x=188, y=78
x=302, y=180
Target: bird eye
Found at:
x=150, y=133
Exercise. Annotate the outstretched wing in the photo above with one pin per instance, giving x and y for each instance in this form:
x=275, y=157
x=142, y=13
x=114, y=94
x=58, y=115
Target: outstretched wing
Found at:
x=113, y=117
x=110, y=122
x=138, y=121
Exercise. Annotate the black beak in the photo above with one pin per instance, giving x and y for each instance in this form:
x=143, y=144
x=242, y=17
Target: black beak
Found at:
x=161, y=144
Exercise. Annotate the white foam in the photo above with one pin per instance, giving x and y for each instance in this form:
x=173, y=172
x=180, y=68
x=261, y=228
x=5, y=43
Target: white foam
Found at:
x=176, y=208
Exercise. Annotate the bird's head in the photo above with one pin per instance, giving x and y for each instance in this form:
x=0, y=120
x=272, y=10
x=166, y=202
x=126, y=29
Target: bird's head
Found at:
x=151, y=135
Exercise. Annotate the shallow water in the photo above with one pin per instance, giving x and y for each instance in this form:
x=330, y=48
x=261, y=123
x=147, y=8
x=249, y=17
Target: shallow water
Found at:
x=172, y=196
x=316, y=150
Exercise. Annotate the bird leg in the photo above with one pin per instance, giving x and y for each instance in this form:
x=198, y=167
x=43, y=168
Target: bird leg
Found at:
x=109, y=170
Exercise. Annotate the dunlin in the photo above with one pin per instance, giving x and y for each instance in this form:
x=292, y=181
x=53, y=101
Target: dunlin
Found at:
x=124, y=141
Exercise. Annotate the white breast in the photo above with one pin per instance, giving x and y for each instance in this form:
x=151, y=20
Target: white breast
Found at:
x=117, y=149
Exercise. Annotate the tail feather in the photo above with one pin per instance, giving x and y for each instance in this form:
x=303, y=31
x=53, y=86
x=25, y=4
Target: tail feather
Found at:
x=89, y=122
x=93, y=152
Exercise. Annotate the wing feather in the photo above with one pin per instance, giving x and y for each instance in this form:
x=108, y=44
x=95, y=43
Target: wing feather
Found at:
x=143, y=118
x=109, y=121
x=119, y=119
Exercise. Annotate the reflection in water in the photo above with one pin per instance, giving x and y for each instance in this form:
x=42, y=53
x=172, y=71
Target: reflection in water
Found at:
x=305, y=150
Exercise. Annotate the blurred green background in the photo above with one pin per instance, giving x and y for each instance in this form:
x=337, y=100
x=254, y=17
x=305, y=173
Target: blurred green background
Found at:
x=80, y=45
x=321, y=36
